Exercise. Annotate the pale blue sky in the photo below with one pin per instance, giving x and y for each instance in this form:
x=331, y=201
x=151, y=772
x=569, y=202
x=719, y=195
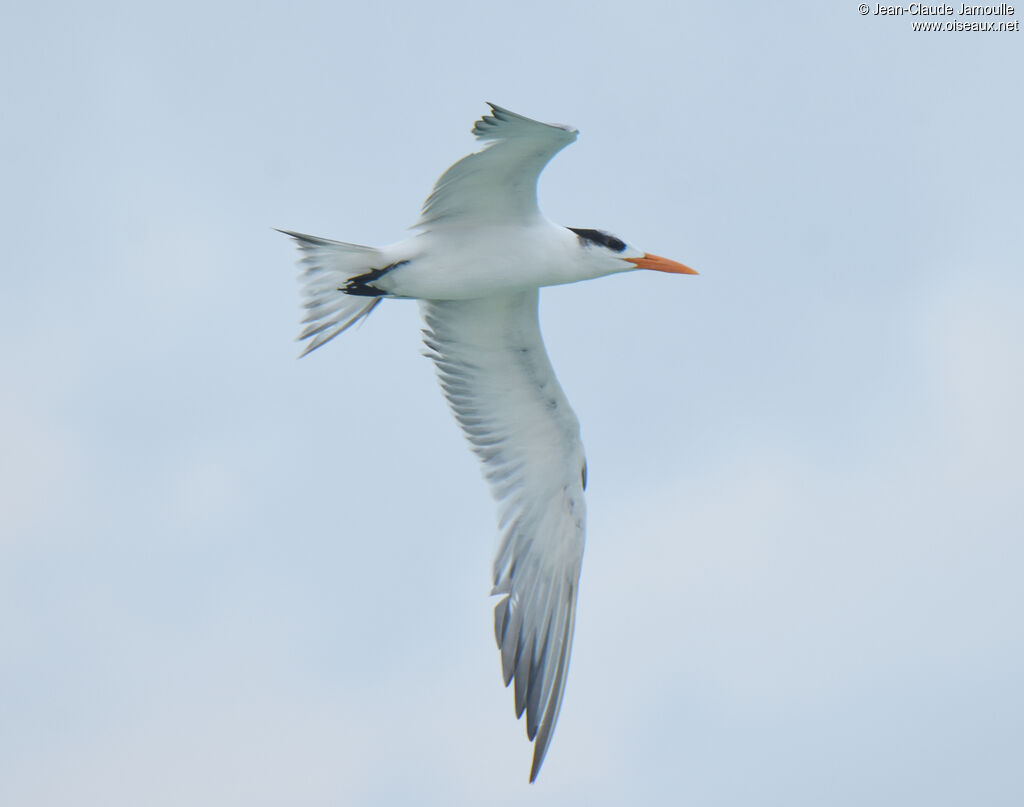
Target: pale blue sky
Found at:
x=228, y=577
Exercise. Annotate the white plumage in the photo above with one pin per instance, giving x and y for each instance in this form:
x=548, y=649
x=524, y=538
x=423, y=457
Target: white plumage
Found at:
x=497, y=378
x=482, y=252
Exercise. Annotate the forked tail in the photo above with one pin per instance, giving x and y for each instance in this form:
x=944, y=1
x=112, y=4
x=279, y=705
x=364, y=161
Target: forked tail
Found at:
x=334, y=292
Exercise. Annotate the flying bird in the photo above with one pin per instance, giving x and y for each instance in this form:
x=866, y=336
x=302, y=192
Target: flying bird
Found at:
x=480, y=254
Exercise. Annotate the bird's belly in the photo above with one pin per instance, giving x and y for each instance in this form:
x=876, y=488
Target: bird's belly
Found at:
x=476, y=266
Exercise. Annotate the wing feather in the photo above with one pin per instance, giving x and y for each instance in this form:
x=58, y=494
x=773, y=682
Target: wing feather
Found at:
x=499, y=182
x=496, y=375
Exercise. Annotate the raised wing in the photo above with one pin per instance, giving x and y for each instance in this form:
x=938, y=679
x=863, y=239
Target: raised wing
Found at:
x=498, y=183
x=496, y=376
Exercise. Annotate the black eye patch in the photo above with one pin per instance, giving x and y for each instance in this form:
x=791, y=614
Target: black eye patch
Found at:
x=599, y=237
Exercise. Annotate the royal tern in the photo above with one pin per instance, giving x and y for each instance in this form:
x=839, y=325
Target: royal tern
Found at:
x=482, y=251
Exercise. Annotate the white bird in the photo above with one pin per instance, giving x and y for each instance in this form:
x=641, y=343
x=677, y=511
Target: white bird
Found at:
x=482, y=251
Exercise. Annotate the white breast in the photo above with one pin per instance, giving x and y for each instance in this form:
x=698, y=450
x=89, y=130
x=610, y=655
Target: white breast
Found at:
x=456, y=264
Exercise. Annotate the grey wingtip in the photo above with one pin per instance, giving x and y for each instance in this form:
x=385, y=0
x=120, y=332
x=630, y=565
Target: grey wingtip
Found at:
x=538, y=760
x=503, y=114
x=303, y=237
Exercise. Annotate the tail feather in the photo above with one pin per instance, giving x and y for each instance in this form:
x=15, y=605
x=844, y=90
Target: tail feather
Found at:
x=327, y=266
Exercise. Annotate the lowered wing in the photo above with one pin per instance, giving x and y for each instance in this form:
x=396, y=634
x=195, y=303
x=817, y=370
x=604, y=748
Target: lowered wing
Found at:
x=496, y=375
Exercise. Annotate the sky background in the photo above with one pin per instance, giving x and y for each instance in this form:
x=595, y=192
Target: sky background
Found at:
x=229, y=577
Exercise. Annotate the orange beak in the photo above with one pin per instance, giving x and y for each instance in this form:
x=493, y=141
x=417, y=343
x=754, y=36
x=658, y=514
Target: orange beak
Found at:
x=660, y=264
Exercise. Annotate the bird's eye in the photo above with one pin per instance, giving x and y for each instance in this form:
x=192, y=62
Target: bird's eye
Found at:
x=616, y=244
x=601, y=238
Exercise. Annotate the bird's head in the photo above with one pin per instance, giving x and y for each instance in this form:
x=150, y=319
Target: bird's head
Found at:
x=618, y=256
